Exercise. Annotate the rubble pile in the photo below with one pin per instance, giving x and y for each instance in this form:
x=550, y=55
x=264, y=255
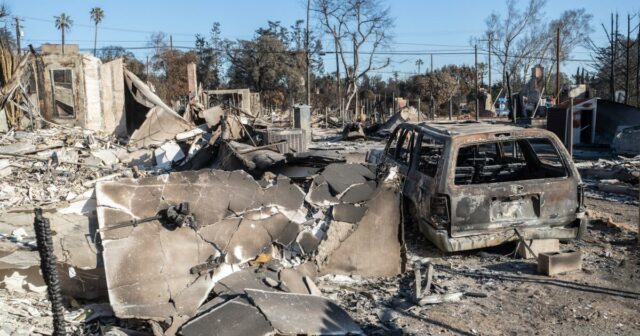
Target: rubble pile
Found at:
x=618, y=176
x=55, y=165
x=274, y=235
x=218, y=220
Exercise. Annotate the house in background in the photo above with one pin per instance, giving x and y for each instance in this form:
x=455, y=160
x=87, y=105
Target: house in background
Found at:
x=595, y=121
x=78, y=90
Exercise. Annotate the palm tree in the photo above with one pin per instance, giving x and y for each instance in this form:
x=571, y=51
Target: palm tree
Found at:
x=419, y=62
x=97, y=14
x=63, y=22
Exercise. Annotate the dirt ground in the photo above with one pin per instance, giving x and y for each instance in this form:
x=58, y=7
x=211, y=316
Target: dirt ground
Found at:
x=601, y=299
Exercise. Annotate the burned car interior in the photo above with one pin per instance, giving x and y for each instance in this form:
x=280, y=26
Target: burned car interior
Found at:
x=508, y=161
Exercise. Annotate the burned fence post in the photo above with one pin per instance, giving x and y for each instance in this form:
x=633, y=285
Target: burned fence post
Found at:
x=48, y=262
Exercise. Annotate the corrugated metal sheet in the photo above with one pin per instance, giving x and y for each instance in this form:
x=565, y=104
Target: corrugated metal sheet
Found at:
x=296, y=139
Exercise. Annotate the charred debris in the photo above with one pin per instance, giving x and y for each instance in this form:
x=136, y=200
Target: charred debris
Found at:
x=177, y=223
x=218, y=218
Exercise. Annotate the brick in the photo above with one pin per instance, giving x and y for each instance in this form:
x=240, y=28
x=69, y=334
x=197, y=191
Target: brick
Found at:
x=552, y=263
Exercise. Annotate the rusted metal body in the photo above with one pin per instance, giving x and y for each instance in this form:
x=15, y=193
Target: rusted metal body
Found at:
x=479, y=205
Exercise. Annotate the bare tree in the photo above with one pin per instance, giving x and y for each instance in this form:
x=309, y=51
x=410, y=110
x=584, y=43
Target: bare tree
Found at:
x=512, y=41
x=354, y=23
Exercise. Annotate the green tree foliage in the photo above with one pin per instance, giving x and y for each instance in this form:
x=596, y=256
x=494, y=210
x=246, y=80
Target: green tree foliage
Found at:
x=272, y=63
x=210, y=57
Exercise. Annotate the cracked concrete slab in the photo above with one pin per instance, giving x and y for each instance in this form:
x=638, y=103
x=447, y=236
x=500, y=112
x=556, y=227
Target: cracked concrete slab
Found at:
x=149, y=267
x=236, y=317
x=296, y=314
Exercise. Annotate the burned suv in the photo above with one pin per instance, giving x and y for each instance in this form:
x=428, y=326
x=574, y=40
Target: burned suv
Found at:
x=472, y=185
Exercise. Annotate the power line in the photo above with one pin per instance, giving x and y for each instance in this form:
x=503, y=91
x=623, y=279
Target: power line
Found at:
x=417, y=53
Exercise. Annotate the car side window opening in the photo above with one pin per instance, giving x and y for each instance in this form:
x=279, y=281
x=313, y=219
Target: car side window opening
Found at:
x=508, y=161
x=406, y=147
x=431, y=151
x=393, y=143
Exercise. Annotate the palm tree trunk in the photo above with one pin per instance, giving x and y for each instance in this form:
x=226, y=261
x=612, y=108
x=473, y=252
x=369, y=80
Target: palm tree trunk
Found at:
x=95, y=40
x=63, y=41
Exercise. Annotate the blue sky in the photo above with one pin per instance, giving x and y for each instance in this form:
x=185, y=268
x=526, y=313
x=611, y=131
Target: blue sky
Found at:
x=421, y=26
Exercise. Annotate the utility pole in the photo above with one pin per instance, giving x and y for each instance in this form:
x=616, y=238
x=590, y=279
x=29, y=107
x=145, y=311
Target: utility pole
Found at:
x=627, y=49
x=308, y=56
x=431, y=105
x=475, y=52
x=612, y=77
x=558, y=65
x=18, y=35
x=171, y=42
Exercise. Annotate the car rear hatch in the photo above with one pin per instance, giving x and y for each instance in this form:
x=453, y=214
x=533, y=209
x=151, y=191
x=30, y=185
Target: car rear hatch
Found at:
x=510, y=183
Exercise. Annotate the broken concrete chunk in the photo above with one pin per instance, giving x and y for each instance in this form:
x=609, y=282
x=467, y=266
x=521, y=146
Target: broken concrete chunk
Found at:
x=552, y=263
x=295, y=314
x=336, y=234
x=107, y=156
x=294, y=281
x=236, y=317
x=358, y=193
x=374, y=247
x=348, y=213
x=307, y=242
x=167, y=154
x=319, y=195
x=288, y=234
x=342, y=176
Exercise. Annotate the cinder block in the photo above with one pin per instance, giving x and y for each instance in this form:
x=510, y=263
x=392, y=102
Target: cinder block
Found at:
x=538, y=246
x=552, y=263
